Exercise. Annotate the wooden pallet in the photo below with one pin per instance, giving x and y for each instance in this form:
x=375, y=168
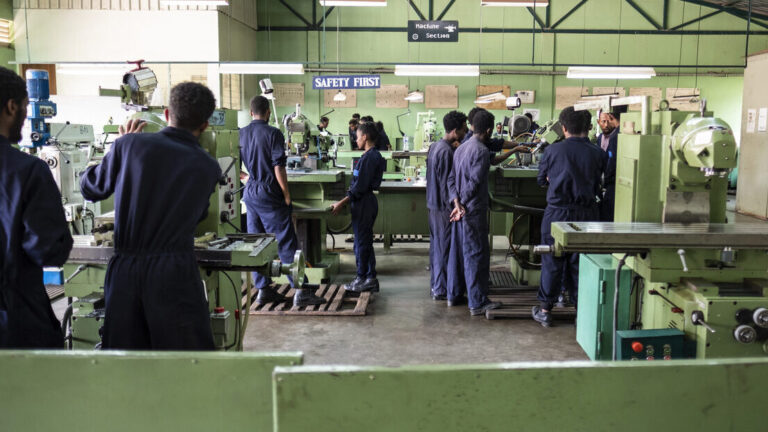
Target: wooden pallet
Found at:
x=338, y=302
x=54, y=291
x=517, y=301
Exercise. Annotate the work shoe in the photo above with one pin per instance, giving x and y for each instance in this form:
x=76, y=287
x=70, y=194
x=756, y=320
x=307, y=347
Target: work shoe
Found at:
x=352, y=285
x=458, y=301
x=488, y=305
x=561, y=300
x=543, y=318
x=439, y=297
x=370, y=284
x=269, y=295
x=305, y=297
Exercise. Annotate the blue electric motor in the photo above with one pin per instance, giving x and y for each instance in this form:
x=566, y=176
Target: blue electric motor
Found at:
x=40, y=107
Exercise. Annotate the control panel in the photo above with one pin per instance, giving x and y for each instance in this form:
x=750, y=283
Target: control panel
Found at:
x=664, y=344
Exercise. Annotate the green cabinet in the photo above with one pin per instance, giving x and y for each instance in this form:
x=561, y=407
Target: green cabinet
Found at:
x=594, y=321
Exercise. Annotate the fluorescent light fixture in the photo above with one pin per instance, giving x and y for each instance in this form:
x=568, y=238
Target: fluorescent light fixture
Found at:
x=437, y=70
x=415, y=96
x=194, y=3
x=353, y=2
x=491, y=97
x=262, y=68
x=513, y=3
x=584, y=72
x=339, y=96
x=92, y=69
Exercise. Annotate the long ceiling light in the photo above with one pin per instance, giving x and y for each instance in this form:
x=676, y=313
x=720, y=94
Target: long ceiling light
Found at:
x=415, y=96
x=584, y=72
x=513, y=3
x=194, y=3
x=437, y=70
x=92, y=69
x=353, y=2
x=262, y=68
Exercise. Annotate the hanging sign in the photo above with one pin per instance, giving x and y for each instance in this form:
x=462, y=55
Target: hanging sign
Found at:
x=433, y=31
x=332, y=82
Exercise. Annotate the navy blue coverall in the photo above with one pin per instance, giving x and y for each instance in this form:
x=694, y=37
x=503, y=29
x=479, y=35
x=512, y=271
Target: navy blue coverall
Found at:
x=439, y=204
x=162, y=184
x=573, y=169
x=262, y=148
x=366, y=178
x=382, y=142
x=470, y=254
x=34, y=234
x=609, y=179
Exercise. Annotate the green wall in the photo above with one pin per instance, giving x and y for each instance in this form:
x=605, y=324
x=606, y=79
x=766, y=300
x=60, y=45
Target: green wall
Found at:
x=364, y=51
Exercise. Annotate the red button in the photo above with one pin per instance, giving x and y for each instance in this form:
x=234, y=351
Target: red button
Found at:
x=218, y=310
x=637, y=347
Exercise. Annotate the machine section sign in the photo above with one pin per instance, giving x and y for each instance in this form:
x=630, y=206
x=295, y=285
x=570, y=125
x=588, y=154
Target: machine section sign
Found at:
x=433, y=31
x=333, y=82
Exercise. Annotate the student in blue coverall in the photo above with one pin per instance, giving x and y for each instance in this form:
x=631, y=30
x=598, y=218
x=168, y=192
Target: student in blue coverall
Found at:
x=34, y=232
x=609, y=142
x=353, y=133
x=439, y=203
x=366, y=178
x=162, y=183
x=468, y=184
x=573, y=169
x=268, y=199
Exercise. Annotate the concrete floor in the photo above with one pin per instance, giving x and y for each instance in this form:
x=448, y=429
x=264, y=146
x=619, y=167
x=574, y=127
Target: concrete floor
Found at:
x=405, y=326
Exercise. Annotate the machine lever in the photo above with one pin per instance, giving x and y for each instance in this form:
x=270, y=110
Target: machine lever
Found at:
x=697, y=318
x=681, y=252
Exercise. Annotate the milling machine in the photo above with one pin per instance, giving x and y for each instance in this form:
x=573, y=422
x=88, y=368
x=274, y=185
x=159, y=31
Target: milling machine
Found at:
x=224, y=254
x=694, y=271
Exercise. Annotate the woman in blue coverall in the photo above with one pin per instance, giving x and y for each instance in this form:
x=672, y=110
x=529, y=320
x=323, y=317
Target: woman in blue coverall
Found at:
x=366, y=177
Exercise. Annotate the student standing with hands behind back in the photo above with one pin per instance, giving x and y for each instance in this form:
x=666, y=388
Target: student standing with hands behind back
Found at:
x=366, y=177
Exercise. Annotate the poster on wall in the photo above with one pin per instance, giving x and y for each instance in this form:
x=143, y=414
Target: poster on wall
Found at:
x=534, y=112
x=751, y=120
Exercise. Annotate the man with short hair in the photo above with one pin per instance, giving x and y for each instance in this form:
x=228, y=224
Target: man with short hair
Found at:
x=353, y=133
x=33, y=230
x=468, y=186
x=609, y=142
x=572, y=169
x=439, y=204
x=268, y=199
x=162, y=183
x=323, y=125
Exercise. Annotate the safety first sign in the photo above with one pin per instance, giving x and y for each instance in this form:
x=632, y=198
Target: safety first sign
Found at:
x=328, y=82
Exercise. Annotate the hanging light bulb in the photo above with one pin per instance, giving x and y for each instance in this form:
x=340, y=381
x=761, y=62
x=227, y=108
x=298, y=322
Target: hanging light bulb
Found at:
x=339, y=97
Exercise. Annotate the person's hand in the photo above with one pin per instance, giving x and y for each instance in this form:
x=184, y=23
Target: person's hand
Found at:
x=132, y=126
x=336, y=208
x=521, y=149
x=244, y=177
x=457, y=213
x=288, y=201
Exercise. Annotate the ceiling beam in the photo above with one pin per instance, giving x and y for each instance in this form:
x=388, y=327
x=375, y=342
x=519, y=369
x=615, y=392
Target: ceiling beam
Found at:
x=644, y=14
x=568, y=14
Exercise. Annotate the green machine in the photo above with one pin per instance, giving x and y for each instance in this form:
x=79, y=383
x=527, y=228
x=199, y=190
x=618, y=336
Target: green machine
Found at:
x=218, y=234
x=698, y=274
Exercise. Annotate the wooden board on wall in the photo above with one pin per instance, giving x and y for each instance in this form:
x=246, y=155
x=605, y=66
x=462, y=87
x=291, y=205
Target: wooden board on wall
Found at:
x=568, y=96
x=351, y=101
x=392, y=96
x=488, y=89
x=441, y=96
x=289, y=94
x=688, y=103
x=653, y=92
x=621, y=91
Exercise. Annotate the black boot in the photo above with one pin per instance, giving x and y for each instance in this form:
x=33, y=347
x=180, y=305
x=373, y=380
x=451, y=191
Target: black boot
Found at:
x=352, y=286
x=269, y=295
x=305, y=297
x=370, y=284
